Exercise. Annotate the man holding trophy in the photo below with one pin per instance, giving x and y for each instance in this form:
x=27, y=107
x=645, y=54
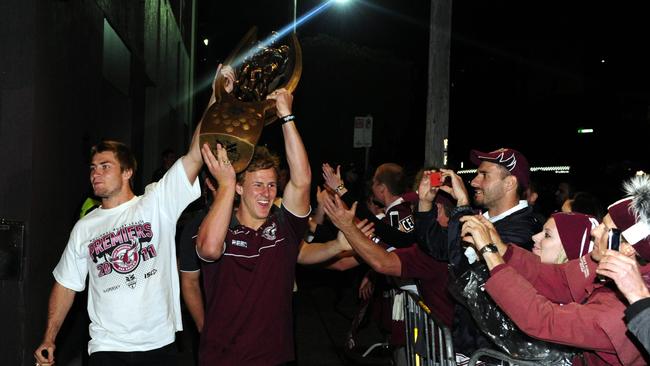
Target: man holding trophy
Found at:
x=251, y=251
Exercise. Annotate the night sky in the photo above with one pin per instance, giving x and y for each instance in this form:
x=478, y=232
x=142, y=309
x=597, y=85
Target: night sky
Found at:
x=524, y=75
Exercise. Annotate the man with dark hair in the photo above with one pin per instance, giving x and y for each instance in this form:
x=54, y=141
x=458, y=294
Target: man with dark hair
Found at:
x=252, y=253
x=499, y=186
x=395, y=225
x=501, y=179
x=122, y=153
x=127, y=247
x=414, y=262
x=388, y=186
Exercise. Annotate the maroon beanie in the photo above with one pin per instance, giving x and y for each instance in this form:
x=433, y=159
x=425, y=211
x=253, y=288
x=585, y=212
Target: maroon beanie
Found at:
x=632, y=214
x=575, y=232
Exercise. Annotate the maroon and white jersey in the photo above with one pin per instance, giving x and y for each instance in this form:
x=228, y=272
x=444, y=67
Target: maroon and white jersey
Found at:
x=400, y=215
x=248, y=318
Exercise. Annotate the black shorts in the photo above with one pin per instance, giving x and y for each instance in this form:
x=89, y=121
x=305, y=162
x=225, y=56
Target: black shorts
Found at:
x=165, y=356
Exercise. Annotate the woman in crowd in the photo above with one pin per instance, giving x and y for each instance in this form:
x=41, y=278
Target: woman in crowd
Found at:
x=531, y=292
x=565, y=236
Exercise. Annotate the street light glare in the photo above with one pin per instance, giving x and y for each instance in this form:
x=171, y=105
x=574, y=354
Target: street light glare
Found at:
x=206, y=41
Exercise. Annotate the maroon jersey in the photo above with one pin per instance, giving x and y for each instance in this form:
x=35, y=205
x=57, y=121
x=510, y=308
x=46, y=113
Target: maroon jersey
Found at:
x=248, y=291
x=400, y=216
x=434, y=278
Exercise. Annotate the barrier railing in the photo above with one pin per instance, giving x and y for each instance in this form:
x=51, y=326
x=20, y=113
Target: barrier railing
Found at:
x=428, y=341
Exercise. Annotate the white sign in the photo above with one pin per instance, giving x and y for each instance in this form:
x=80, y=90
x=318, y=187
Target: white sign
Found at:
x=362, y=131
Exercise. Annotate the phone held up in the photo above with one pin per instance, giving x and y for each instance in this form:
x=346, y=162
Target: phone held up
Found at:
x=435, y=179
x=614, y=239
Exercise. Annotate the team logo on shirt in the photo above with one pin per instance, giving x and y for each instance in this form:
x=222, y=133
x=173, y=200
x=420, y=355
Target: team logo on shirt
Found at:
x=125, y=257
x=122, y=249
x=269, y=232
x=407, y=223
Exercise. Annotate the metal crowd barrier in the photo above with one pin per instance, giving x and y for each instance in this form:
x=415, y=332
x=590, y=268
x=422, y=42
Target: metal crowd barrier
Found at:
x=428, y=341
x=494, y=357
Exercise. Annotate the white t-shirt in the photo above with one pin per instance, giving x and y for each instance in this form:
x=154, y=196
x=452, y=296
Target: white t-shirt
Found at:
x=129, y=251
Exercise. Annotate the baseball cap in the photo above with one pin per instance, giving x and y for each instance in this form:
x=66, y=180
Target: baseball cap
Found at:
x=514, y=161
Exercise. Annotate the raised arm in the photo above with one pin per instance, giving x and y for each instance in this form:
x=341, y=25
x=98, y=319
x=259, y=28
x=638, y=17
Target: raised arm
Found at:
x=192, y=161
x=296, y=193
x=61, y=299
x=213, y=229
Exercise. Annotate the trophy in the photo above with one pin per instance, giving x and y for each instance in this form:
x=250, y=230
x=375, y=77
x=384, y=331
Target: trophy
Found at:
x=236, y=119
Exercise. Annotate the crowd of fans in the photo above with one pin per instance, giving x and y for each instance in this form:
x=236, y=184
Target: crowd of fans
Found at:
x=573, y=285
x=556, y=279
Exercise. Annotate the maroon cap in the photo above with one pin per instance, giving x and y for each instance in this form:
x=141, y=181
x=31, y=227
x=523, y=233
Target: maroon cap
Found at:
x=512, y=160
x=575, y=232
x=635, y=231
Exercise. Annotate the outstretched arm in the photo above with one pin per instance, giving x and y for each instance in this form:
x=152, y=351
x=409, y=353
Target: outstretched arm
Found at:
x=61, y=299
x=213, y=229
x=312, y=253
x=296, y=193
x=380, y=260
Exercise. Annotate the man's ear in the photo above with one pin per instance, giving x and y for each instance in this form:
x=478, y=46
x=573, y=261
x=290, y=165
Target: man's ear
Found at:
x=511, y=183
x=239, y=189
x=127, y=174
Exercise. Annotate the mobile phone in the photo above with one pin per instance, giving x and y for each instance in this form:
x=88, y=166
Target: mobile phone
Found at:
x=614, y=239
x=435, y=179
x=394, y=219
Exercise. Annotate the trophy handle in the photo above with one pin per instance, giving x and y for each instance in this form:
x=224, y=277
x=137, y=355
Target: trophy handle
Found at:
x=246, y=41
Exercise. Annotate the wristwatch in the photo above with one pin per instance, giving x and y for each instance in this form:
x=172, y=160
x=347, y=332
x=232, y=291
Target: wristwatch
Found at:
x=339, y=188
x=490, y=248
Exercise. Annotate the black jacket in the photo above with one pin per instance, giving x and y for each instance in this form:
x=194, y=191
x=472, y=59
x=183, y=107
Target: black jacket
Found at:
x=445, y=245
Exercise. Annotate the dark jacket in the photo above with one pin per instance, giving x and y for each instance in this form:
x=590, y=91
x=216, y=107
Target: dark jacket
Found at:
x=638, y=321
x=445, y=245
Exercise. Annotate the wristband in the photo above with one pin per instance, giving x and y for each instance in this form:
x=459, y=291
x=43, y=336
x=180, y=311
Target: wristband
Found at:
x=490, y=248
x=287, y=118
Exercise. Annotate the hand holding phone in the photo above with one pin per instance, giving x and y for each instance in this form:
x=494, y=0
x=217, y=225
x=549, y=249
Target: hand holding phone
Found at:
x=614, y=239
x=435, y=179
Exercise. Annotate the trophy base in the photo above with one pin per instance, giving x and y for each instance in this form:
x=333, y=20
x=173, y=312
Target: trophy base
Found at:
x=240, y=152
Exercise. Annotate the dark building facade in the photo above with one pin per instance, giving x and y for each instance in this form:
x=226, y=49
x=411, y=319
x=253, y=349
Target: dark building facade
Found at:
x=73, y=72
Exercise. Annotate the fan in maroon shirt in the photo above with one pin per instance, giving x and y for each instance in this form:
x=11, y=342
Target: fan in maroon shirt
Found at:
x=253, y=252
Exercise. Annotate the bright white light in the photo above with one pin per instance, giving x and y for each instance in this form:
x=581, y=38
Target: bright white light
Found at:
x=640, y=172
x=206, y=41
x=602, y=61
x=559, y=169
x=341, y=1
